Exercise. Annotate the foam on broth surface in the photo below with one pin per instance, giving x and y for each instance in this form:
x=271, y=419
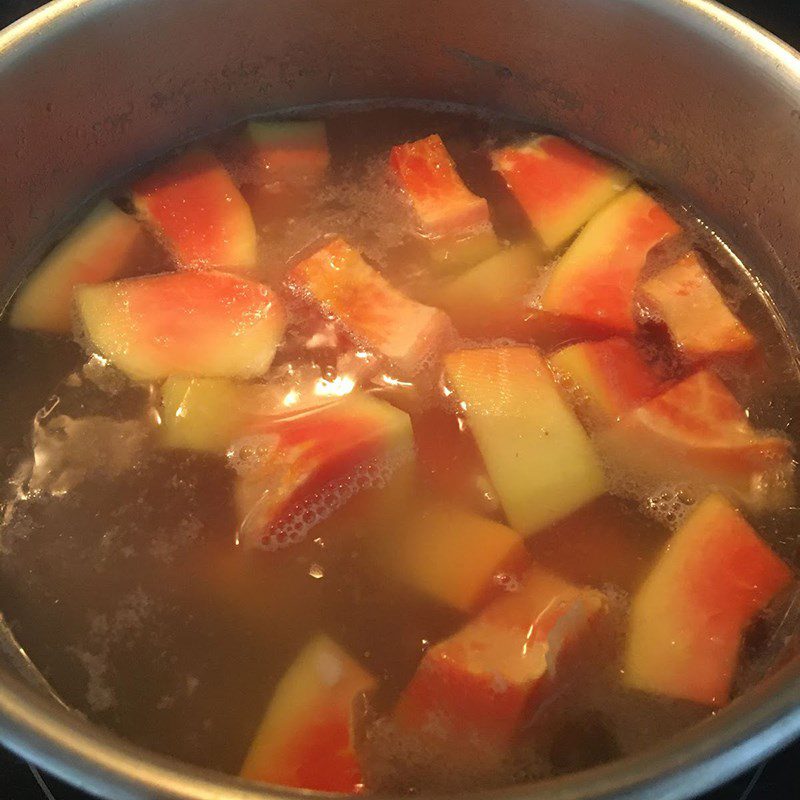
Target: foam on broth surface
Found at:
x=119, y=570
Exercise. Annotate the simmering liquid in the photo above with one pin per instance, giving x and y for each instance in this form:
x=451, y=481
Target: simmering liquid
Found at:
x=158, y=607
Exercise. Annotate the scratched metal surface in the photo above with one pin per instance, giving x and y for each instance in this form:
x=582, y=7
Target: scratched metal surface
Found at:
x=775, y=779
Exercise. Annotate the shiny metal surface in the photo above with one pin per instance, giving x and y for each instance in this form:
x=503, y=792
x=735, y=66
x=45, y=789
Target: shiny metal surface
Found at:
x=697, y=99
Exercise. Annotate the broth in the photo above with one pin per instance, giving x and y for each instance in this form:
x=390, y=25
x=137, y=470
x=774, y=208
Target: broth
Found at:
x=120, y=570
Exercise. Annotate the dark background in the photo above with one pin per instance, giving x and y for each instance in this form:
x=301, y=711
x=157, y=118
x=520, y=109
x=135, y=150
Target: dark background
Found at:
x=776, y=779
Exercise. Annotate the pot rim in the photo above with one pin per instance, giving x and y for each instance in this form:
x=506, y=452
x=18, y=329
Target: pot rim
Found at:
x=752, y=728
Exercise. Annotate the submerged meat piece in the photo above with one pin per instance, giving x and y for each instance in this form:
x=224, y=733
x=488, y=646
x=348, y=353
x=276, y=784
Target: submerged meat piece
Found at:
x=184, y=323
x=290, y=151
x=697, y=434
x=684, y=298
x=295, y=471
x=473, y=689
x=688, y=617
x=454, y=556
x=455, y=220
x=107, y=244
x=607, y=378
x=193, y=203
x=338, y=280
x=537, y=455
x=306, y=739
x=558, y=184
x=596, y=277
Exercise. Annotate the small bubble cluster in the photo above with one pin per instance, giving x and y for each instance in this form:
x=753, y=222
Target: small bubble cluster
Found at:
x=670, y=505
x=294, y=527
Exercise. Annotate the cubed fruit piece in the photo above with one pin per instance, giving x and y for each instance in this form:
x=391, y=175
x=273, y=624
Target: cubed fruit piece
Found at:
x=185, y=323
x=454, y=219
x=106, y=244
x=607, y=378
x=596, y=277
x=193, y=203
x=304, y=467
x=558, y=184
x=697, y=434
x=454, y=556
x=208, y=414
x=294, y=152
x=489, y=298
x=688, y=617
x=372, y=311
x=475, y=687
x=306, y=739
x=684, y=298
x=538, y=456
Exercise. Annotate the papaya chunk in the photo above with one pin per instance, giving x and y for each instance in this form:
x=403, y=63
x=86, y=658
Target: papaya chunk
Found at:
x=684, y=298
x=183, y=323
x=689, y=615
x=306, y=738
x=340, y=282
x=697, y=434
x=194, y=205
x=608, y=378
x=476, y=686
x=291, y=152
x=558, y=184
x=596, y=277
x=455, y=220
x=294, y=471
x=107, y=244
x=489, y=298
x=454, y=556
x=537, y=454
x=208, y=414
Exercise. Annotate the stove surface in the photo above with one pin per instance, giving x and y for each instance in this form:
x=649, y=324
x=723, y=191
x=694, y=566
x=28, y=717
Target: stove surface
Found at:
x=777, y=778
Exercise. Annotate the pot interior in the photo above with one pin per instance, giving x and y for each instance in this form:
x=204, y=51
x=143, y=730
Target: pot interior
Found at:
x=688, y=96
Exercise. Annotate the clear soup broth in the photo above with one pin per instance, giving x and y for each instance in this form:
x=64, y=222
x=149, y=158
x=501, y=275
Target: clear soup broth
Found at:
x=423, y=463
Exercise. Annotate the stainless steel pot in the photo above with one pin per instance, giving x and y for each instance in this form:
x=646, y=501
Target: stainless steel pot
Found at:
x=696, y=98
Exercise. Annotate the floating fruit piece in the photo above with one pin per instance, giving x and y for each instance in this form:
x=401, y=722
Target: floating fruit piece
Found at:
x=596, y=277
x=701, y=325
x=456, y=557
x=295, y=471
x=193, y=203
x=306, y=739
x=455, y=220
x=474, y=688
x=558, y=184
x=608, y=378
x=293, y=152
x=688, y=617
x=208, y=414
x=107, y=244
x=184, y=323
x=697, y=434
x=536, y=453
x=372, y=311
x=489, y=298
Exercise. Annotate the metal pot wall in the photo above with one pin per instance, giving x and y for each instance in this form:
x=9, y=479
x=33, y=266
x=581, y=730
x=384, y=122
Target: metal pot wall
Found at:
x=695, y=98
